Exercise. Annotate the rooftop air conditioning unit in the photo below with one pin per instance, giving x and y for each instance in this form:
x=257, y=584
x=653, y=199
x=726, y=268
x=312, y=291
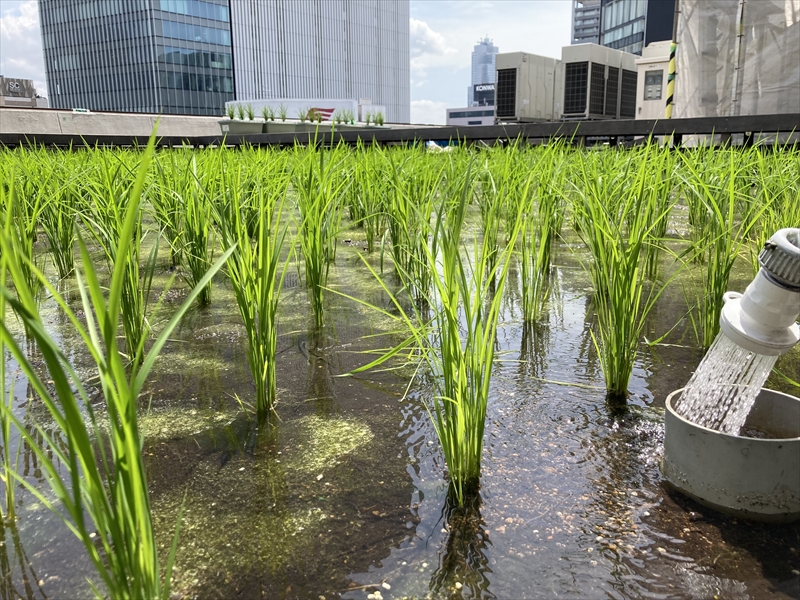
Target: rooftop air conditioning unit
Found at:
x=527, y=87
x=599, y=82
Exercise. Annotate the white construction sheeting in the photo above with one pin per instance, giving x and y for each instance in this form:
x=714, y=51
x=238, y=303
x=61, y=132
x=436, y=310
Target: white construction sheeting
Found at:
x=720, y=73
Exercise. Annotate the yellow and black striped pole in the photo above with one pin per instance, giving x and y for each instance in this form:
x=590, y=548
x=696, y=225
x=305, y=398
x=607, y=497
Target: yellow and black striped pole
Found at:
x=671, y=79
x=671, y=72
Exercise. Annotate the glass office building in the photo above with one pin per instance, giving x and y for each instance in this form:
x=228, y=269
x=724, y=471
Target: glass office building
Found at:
x=192, y=56
x=630, y=25
x=160, y=56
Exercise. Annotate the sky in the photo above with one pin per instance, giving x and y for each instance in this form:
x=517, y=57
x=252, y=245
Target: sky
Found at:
x=443, y=34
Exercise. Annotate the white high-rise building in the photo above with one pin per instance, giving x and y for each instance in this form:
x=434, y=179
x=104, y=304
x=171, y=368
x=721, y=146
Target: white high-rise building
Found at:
x=586, y=22
x=193, y=56
x=482, y=67
x=323, y=49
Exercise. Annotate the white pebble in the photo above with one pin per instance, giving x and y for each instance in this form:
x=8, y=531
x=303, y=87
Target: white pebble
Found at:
x=386, y=586
x=458, y=585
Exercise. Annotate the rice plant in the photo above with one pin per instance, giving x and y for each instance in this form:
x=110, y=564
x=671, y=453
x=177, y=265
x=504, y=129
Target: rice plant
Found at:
x=105, y=218
x=413, y=195
x=282, y=112
x=776, y=186
x=730, y=216
x=366, y=194
x=457, y=341
x=319, y=200
x=662, y=173
x=616, y=228
x=21, y=206
x=198, y=243
x=165, y=201
x=101, y=493
x=8, y=470
x=256, y=272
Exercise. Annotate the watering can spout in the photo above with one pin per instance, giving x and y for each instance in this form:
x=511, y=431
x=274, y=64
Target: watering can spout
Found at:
x=763, y=319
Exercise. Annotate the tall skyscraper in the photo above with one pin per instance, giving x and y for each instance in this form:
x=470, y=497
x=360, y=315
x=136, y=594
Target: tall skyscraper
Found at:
x=586, y=22
x=192, y=56
x=483, y=56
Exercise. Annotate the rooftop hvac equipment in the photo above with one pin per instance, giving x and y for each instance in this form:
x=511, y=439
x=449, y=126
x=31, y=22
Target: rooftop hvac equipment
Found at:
x=599, y=82
x=528, y=87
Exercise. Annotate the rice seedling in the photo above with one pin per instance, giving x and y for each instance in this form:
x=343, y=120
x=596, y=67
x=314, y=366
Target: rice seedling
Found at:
x=268, y=113
x=282, y=112
x=415, y=185
x=58, y=224
x=240, y=111
x=491, y=200
x=7, y=512
x=165, y=202
x=101, y=493
x=319, y=200
x=22, y=212
x=198, y=244
x=366, y=194
x=730, y=218
x=457, y=341
x=105, y=220
x=251, y=115
x=379, y=118
x=776, y=186
x=256, y=272
x=662, y=171
x=616, y=228
x=230, y=111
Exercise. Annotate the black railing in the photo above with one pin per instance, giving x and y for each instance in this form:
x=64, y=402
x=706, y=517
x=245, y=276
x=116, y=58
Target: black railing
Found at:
x=577, y=132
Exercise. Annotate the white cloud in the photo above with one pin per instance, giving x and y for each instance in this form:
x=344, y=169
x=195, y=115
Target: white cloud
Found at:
x=428, y=112
x=21, y=43
x=428, y=48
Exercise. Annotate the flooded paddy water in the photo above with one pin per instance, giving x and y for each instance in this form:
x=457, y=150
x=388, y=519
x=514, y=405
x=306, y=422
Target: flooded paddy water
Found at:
x=341, y=493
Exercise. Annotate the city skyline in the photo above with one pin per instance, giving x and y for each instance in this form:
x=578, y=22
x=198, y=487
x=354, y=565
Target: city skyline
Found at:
x=179, y=57
x=442, y=37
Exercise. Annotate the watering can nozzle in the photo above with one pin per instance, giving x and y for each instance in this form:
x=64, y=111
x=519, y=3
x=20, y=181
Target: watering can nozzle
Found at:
x=763, y=319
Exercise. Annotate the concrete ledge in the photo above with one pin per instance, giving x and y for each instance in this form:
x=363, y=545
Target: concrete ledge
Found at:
x=29, y=121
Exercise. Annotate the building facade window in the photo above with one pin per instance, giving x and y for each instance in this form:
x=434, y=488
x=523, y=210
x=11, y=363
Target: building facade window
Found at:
x=652, y=85
x=195, y=8
x=470, y=113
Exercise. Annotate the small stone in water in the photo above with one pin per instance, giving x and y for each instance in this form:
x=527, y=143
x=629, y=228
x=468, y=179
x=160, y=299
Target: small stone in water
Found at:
x=458, y=585
x=319, y=476
x=386, y=586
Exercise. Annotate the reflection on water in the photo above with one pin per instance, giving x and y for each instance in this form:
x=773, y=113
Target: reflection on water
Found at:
x=463, y=563
x=18, y=578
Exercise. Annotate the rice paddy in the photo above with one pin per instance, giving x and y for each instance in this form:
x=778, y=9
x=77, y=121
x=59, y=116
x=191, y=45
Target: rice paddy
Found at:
x=382, y=371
